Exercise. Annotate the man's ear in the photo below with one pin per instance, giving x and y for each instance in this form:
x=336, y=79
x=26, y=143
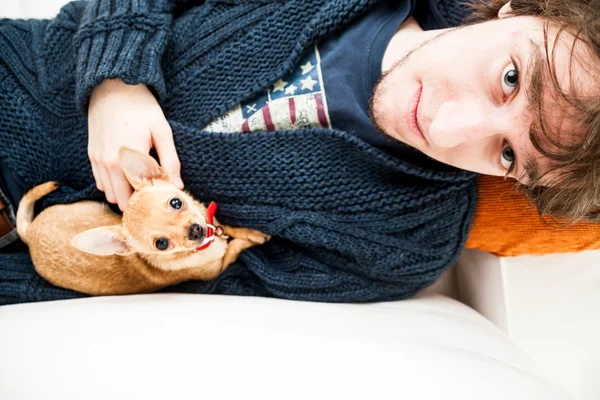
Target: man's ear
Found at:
x=140, y=168
x=504, y=11
x=104, y=241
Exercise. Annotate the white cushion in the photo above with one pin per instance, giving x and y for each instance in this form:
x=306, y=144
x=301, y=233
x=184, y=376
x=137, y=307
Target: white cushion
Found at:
x=173, y=346
x=30, y=8
x=548, y=305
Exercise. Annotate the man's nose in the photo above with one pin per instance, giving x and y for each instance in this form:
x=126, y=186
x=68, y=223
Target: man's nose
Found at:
x=458, y=122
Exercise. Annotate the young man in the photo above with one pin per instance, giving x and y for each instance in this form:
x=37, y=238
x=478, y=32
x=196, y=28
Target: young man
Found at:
x=341, y=128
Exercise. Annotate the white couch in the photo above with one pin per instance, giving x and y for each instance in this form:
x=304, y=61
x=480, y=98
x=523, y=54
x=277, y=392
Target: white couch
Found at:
x=490, y=328
x=539, y=341
x=549, y=306
x=223, y=347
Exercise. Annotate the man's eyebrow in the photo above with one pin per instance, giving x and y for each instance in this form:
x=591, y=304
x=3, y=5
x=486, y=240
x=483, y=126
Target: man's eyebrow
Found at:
x=530, y=166
x=535, y=77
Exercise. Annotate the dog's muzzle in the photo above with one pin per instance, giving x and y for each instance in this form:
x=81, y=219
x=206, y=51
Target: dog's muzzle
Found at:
x=195, y=232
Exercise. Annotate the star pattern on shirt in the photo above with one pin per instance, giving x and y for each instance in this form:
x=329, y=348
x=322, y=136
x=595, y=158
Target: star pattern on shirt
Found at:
x=308, y=83
x=306, y=68
x=291, y=89
x=279, y=85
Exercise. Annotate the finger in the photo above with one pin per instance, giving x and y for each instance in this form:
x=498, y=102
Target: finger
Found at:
x=162, y=139
x=97, y=177
x=108, y=191
x=94, y=164
x=120, y=185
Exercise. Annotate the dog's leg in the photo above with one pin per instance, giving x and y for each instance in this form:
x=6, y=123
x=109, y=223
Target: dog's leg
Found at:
x=251, y=235
x=234, y=248
x=243, y=238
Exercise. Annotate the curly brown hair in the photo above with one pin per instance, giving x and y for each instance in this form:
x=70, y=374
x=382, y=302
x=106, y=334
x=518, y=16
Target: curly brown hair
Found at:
x=569, y=187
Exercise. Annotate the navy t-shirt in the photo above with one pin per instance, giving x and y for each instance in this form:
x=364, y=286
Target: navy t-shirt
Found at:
x=352, y=66
x=331, y=85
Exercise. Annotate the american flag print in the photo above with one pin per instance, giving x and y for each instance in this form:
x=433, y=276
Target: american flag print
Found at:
x=296, y=101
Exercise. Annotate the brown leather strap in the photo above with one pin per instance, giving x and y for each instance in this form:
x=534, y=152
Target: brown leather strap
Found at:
x=6, y=226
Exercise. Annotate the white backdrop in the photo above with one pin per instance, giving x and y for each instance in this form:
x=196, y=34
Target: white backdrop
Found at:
x=30, y=8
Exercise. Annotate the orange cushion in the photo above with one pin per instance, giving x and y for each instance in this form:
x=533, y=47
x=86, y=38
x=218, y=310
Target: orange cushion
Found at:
x=506, y=224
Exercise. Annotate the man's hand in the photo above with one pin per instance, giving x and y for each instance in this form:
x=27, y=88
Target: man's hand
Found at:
x=126, y=115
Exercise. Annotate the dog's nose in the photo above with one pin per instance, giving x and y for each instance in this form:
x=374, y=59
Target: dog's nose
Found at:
x=196, y=232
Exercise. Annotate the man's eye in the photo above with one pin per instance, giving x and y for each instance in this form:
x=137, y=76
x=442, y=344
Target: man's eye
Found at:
x=510, y=79
x=507, y=157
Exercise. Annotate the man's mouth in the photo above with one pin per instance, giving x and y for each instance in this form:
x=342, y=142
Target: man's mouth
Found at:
x=411, y=114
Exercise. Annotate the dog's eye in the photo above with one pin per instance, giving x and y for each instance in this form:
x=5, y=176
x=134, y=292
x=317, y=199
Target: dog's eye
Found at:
x=176, y=203
x=161, y=243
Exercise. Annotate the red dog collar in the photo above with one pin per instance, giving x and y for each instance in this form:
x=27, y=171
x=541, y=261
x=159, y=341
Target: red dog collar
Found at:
x=211, y=230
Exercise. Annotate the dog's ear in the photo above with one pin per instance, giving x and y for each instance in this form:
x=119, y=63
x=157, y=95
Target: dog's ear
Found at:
x=104, y=241
x=140, y=168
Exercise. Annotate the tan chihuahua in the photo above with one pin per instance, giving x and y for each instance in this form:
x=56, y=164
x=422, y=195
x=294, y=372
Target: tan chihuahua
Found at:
x=164, y=237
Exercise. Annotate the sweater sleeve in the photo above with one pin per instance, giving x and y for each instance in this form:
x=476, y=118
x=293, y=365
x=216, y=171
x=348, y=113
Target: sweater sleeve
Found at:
x=123, y=39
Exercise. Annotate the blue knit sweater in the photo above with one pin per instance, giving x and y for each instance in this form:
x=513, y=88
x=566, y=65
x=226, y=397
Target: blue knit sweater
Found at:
x=349, y=222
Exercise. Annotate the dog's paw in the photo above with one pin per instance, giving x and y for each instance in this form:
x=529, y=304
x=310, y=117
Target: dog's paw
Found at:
x=258, y=237
x=251, y=235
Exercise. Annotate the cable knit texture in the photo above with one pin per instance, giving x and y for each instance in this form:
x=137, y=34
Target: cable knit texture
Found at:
x=349, y=222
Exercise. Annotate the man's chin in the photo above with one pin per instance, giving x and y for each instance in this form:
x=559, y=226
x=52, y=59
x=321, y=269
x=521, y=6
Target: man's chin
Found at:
x=376, y=114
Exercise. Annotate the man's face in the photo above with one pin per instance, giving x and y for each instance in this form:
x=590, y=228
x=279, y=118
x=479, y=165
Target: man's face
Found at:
x=461, y=98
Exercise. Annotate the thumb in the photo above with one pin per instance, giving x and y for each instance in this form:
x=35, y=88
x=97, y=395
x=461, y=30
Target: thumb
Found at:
x=162, y=139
